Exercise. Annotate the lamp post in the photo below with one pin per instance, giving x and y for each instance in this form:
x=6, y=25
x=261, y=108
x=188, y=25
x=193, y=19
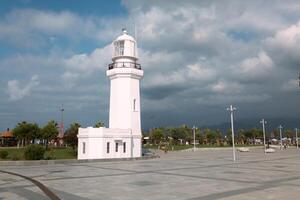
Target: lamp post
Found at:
x=263, y=121
x=296, y=130
x=194, y=133
x=231, y=109
x=62, y=121
x=280, y=132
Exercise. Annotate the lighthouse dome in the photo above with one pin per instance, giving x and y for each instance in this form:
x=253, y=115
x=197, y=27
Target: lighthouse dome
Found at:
x=124, y=47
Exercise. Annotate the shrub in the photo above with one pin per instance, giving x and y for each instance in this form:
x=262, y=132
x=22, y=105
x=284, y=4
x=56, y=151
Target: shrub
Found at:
x=15, y=156
x=74, y=152
x=3, y=154
x=49, y=155
x=34, y=152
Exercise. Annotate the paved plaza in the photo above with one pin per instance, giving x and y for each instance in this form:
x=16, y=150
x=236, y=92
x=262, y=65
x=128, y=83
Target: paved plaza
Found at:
x=203, y=175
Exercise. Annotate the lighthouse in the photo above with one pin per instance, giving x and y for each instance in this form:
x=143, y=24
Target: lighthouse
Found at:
x=125, y=75
x=123, y=137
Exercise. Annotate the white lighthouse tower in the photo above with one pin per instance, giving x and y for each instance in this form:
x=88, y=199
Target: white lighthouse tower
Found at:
x=125, y=74
x=123, y=137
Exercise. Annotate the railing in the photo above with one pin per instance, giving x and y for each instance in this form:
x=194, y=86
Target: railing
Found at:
x=124, y=65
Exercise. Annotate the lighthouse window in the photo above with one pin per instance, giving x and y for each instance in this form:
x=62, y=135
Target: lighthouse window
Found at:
x=124, y=147
x=134, y=104
x=107, y=147
x=83, y=147
x=119, y=48
x=117, y=146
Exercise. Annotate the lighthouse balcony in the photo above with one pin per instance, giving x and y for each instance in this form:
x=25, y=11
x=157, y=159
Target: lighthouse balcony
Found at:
x=124, y=65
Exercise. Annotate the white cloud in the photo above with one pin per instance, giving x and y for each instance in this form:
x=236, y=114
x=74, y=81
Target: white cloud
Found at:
x=226, y=87
x=83, y=65
x=291, y=85
x=285, y=44
x=257, y=65
x=188, y=75
x=86, y=63
x=16, y=91
x=287, y=39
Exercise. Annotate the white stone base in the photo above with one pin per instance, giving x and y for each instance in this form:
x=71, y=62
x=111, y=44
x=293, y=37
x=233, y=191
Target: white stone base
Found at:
x=97, y=143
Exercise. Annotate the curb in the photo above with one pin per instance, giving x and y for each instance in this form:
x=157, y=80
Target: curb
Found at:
x=70, y=161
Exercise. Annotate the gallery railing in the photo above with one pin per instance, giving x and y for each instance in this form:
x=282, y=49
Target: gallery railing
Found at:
x=124, y=65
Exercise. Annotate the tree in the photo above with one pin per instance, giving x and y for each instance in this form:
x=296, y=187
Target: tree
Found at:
x=25, y=132
x=156, y=135
x=241, y=138
x=289, y=134
x=99, y=124
x=249, y=135
x=71, y=135
x=199, y=136
x=180, y=133
x=49, y=131
x=210, y=136
x=229, y=136
x=218, y=136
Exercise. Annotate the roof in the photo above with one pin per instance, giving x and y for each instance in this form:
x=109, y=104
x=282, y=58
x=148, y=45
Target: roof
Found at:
x=125, y=36
x=6, y=134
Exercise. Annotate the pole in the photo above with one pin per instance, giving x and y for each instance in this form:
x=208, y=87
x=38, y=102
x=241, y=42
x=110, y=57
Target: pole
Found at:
x=194, y=137
x=296, y=129
x=232, y=109
x=264, y=132
x=62, y=121
x=280, y=129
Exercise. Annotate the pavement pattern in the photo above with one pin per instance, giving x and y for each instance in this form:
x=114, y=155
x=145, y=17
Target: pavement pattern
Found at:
x=200, y=175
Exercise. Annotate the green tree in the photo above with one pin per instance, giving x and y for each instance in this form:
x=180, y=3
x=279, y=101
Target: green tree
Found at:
x=289, y=133
x=49, y=132
x=229, y=136
x=156, y=135
x=249, y=135
x=182, y=133
x=241, y=138
x=218, y=136
x=199, y=136
x=210, y=136
x=26, y=132
x=71, y=135
x=99, y=124
x=256, y=133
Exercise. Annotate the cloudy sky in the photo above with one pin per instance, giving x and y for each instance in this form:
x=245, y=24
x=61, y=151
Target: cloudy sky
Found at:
x=198, y=57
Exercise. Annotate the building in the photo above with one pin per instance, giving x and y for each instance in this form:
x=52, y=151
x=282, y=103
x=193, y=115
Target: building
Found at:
x=123, y=137
x=7, y=138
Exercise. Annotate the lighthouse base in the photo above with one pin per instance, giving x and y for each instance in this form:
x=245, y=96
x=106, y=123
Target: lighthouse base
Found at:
x=99, y=143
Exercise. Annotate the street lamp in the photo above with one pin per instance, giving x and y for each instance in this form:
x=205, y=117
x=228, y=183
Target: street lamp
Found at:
x=264, y=132
x=194, y=133
x=296, y=130
x=280, y=132
x=62, y=121
x=231, y=109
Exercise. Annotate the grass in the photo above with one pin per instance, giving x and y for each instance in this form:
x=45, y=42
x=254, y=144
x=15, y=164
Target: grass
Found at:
x=15, y=153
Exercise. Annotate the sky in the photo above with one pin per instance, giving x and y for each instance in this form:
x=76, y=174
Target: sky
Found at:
x=198, y=58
